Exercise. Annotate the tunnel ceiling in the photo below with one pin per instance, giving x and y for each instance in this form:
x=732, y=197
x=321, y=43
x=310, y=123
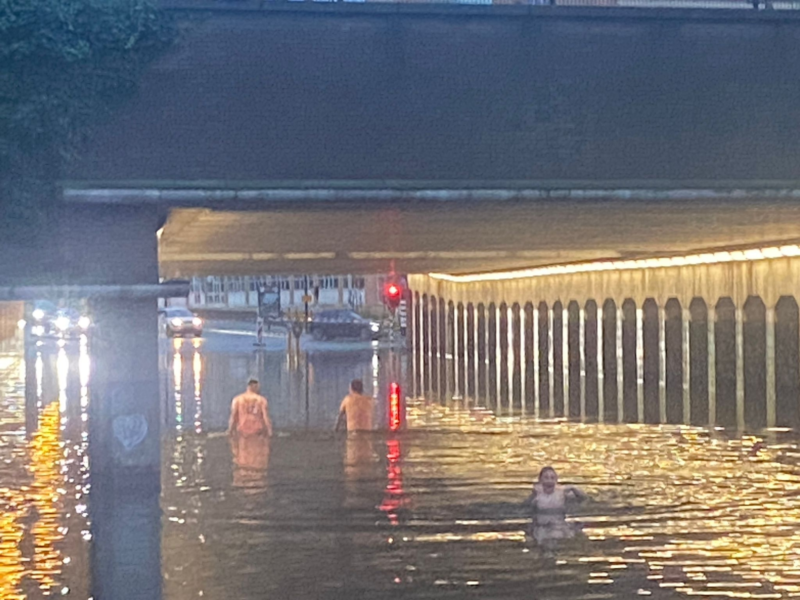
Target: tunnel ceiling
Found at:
x=458, y=239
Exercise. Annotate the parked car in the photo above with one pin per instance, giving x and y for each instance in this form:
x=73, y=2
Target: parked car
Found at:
x=338, y=324
x=180, y=322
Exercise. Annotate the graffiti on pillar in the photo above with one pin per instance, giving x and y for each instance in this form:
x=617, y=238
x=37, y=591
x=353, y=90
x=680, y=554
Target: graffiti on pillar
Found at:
x=130, y=430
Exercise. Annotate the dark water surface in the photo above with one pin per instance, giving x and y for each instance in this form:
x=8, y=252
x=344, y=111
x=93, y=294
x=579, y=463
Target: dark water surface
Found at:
x=430, y=512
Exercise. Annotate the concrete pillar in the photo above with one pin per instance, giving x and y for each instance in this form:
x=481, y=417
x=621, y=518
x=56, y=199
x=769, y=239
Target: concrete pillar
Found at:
x=770, y=360
x=551, y=367
x=565, y=356
x=536, y=365
x=639, y=364
x=662, y=364
x=582, y=361
x=601, y=371
x=126, y=545
x=291, y=290
x=686, y=320
x=124, y=410
x=340, y=289
x=118, y=246
x=620, y=363
x=472, y=352
x=739, y=368
x=712, y=366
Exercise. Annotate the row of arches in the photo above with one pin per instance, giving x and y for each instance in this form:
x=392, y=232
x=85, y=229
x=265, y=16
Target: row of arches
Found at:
x=701, y=364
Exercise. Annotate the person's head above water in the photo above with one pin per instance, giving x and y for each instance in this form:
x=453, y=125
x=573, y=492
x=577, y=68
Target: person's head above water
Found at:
x=548, y=479
x=253, y=385
x=357, y=386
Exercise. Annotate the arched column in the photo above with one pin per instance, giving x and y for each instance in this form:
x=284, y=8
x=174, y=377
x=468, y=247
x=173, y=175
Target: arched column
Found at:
x=558, y=344
x=443, y=350
x=516, y=360
x=612, y=390
x=675, y=351
x=482, y=350
x=651, y=349
x=725, y=348
x=575, y=361
x=754, y=371
x=531, y=368
x=492, y=351
x=472, y=353
x=699, y=340
x=461, y=352
x=630, y=372
x=545, y=390
x=504, y=396
x=592, y=347
x=450, y=363
x=787, y=363
x=425, y=371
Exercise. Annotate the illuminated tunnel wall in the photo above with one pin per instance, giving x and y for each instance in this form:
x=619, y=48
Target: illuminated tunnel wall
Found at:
x=711, y=341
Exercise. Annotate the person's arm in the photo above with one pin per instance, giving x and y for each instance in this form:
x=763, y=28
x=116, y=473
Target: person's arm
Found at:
x=341, y=420
x=267, y=421
x=234, y=416
x=576, y=492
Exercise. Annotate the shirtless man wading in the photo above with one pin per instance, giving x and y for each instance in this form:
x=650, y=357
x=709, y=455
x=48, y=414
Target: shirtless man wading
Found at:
x=250, y=413
x=356, y=409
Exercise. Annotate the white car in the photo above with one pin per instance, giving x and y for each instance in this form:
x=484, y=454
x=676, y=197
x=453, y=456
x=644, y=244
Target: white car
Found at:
x=181, y=322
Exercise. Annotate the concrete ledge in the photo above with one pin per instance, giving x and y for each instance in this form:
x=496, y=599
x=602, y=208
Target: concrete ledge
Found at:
x=211, y=197
x=738, y=11
x=41, y=292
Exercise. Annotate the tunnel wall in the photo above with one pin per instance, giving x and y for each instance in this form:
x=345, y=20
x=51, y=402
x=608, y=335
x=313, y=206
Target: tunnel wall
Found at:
x=705, y=344
x=382, y=92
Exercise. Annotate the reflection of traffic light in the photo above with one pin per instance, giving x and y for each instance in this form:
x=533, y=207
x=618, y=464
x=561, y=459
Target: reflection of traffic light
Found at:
x=395, y=415
x=392, y=294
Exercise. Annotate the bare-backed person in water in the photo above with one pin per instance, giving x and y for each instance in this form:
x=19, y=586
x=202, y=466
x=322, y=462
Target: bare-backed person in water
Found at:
x=356, y=410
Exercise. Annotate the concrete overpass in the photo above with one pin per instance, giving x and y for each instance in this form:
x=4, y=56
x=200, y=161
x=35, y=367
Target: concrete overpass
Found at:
x=285, y=137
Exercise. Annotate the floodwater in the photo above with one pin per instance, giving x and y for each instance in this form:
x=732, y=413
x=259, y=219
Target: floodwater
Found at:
x=429, y=512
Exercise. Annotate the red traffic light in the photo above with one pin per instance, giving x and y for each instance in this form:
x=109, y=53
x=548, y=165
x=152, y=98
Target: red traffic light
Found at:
x=392, y=294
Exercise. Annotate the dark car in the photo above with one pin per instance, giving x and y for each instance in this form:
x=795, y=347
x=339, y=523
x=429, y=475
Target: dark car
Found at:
x=49, y=321
x=339, y=324
x=180, y=322
x=43, y=317
x=70, y=323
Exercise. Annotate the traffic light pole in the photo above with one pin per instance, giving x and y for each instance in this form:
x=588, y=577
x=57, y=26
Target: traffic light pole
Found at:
x=305, y=302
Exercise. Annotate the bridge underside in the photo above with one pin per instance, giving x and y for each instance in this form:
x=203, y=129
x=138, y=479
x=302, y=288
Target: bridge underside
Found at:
x=459, y=238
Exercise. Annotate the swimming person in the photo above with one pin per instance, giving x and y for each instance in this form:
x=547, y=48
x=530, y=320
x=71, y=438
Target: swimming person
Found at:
x=548, y=502
x=250, y=413
x=356, y=409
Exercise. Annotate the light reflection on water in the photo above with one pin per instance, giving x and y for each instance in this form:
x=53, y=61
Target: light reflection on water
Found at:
x=432, y=512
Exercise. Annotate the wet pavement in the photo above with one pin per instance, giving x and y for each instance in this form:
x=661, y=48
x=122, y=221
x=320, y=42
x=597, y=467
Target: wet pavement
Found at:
x=432, y=512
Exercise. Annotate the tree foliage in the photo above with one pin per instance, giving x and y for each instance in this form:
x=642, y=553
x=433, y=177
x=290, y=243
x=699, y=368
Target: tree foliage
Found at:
x=64, y=64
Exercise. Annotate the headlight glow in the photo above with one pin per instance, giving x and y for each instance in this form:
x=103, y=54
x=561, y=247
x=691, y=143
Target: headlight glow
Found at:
x=37, y=330
x=38, y=314
x=197, y=321
x=62, y=323
x=375, y=327
x=84, y=322
x=21, y=324
x=176, y=322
